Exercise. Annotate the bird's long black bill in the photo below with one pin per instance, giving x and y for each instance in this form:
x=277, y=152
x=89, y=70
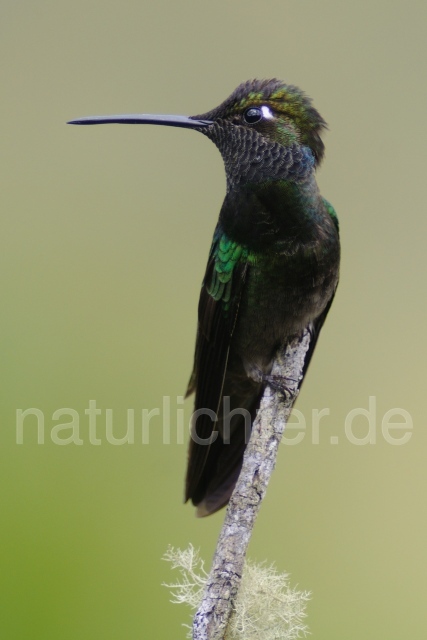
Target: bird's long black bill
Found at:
x=145, y=118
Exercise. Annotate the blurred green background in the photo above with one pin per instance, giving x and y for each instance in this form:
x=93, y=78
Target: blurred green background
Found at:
x=105, y=236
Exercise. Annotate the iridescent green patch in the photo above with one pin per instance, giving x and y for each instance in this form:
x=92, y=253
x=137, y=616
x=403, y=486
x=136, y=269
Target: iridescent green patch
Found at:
x=332, y=212
x=227, y=256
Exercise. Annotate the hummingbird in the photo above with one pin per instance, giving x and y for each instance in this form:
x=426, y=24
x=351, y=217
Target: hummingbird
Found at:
x=272, y=269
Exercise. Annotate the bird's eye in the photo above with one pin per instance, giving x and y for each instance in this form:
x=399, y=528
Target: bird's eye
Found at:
x=252, y=115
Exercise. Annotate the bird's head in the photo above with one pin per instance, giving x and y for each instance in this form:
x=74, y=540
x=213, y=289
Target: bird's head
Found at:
x=277, y=112
x=265, y=130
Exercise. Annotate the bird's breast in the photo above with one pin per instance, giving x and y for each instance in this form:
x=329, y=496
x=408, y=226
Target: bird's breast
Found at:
x=281, y=298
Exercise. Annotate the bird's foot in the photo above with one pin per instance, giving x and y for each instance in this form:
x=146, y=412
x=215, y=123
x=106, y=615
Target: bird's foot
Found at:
x=282, y=384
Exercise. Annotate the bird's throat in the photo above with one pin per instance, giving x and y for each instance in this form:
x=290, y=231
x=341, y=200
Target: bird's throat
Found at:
x=276, y=212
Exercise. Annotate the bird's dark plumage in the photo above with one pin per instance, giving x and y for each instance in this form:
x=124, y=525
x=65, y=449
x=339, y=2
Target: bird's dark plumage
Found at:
x=272, y=271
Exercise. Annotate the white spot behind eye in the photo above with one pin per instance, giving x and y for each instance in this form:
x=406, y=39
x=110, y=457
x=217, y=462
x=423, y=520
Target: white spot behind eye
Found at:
x=266, y=112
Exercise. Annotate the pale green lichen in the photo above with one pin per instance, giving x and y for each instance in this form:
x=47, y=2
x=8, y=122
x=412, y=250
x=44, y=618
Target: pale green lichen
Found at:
x=266, y=606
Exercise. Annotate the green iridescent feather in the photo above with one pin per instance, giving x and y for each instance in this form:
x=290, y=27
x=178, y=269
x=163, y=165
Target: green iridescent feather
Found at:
x=332, y=212
x=227, y=254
